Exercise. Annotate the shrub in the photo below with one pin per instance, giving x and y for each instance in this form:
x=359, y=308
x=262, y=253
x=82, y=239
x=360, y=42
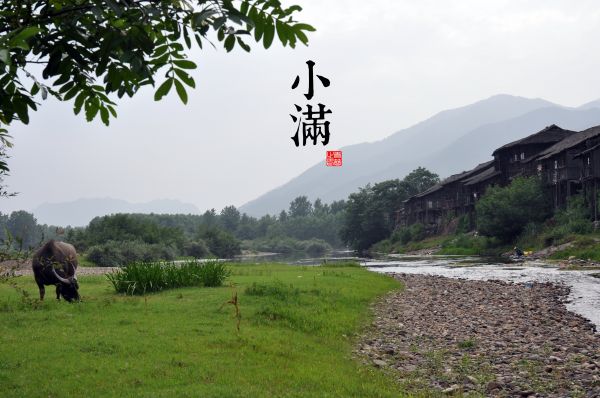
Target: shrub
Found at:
x=417, y=232
x=316, y=247
x=142, y=277
x=114, y=253
x=286, y=245
x=401, y=235
x=222, y=244
x=196, y=249
x=503, y=212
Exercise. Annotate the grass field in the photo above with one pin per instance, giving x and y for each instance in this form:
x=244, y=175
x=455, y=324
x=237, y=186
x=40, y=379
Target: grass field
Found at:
x=296, y=336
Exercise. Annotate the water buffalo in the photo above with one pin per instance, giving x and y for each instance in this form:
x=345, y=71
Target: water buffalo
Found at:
x=55, y=263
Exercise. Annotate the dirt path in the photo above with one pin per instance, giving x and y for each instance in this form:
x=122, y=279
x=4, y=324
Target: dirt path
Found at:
x=484, y=338
x=24, y=268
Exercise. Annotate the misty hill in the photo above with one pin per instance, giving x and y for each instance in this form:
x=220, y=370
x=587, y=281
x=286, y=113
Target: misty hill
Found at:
x=448, y=142
x=81, y=211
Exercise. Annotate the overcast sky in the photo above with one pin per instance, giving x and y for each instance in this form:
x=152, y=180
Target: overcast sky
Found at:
x=391, y=64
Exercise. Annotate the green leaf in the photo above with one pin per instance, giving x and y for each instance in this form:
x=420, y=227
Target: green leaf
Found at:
x=112, y=110
x=269, y=34
x=104, y=116
x=243, y=44
x=19, y=40
x=185, y=64
x=71, y=93
x=181, y=91
x=79, y=102
x=163, y=89
x=91, y=109
x=281, y=32
x=304, y=26
x=5, y=56
x=187, y=79
x=229, y=42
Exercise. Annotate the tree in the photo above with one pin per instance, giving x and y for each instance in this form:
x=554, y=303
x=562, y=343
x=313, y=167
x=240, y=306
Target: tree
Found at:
x=419, y=180
x=24, y=229
x=230, y=218
x=300, y=207
x=370, y=213
x=94, y=50
x=503, y=212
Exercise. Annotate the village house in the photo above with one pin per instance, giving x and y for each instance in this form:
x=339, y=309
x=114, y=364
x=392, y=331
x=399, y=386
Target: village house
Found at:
x=568, y=162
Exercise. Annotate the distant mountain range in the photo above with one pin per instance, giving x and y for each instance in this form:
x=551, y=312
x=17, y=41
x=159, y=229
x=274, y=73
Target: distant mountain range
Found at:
x=448, y=142
x=81, y=211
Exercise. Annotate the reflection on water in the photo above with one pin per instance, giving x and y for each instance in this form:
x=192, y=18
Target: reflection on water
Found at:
x=300, y=258
x=585, y=287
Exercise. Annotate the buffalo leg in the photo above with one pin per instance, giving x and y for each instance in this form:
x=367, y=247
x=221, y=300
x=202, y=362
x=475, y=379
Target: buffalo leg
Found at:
x=58, y=292
x=42, y=290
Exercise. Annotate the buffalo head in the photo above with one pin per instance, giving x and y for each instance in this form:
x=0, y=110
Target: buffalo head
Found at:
x=67, y=287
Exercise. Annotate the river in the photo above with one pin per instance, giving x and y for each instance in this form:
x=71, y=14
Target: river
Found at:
x=584, y=298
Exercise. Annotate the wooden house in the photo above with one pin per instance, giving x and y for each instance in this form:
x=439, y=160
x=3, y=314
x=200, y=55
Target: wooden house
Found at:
x=560, y=169
x=513, y=159
x=447, y=199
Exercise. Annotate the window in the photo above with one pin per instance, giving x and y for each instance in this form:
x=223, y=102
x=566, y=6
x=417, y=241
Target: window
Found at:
x=522, y=155
x=516, y=157
x=556, y=164
x=588, y=161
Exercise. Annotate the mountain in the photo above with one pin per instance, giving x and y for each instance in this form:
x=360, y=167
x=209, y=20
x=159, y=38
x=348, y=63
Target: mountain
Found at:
x=81, y=211
x=448, y=142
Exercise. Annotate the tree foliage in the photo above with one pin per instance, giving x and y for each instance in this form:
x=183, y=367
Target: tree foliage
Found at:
x=91, y=51
x=370, y=214
x=503, y=212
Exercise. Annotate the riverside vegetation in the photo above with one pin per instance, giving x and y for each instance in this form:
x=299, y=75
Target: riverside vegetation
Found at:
x=305, y=228
x=517, y=215
x=298, y=327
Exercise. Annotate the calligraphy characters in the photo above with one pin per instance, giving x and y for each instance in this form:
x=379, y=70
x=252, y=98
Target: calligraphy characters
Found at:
x=311, y=121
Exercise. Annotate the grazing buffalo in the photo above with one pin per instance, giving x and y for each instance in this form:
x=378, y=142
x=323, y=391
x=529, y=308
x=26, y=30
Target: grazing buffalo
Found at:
x=55, y=263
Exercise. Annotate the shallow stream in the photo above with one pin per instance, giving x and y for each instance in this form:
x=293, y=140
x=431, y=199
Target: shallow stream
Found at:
x=584, y=298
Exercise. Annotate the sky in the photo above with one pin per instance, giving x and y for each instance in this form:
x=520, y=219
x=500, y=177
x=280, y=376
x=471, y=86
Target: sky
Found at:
x=391, y=64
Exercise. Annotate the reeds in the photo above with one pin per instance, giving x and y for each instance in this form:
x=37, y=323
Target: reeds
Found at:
x=143, y=277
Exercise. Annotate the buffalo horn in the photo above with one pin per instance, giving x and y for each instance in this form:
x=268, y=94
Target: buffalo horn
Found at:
x=60, y=278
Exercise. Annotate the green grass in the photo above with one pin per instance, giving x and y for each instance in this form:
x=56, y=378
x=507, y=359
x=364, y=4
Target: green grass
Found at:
x=143, y=277
x=585, y=248
x=296, y=336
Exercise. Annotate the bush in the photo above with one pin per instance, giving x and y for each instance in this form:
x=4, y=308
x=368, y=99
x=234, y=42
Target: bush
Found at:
x=401, y=235
x=142, y=277
x=285, y=245
x=417, y=232
x=316, y=247
x=114, y=253
x=222, y=244
x=503, y=212
x=196, y=249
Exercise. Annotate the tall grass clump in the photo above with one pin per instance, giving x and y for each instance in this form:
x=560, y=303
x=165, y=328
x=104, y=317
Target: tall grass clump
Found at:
x=142, y=277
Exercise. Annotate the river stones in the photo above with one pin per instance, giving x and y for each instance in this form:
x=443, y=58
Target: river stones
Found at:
x=486, y=338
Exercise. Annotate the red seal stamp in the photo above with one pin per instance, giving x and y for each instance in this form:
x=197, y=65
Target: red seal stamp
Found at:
x=333, y=158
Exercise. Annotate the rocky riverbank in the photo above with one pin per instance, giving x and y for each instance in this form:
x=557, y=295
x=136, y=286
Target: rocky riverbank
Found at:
x=490, y=338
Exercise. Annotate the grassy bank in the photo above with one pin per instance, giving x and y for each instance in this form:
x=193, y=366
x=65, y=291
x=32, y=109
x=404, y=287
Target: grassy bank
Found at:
x=454, y=244
x=296, y=333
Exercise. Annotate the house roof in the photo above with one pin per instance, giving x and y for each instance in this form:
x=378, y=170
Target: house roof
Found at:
x=595, y=147
x=485, y=175
x=569, y=142
x=549, y=135
x=454, y=178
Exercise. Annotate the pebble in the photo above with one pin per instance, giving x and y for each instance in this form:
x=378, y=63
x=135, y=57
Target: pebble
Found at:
x=510, y=339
